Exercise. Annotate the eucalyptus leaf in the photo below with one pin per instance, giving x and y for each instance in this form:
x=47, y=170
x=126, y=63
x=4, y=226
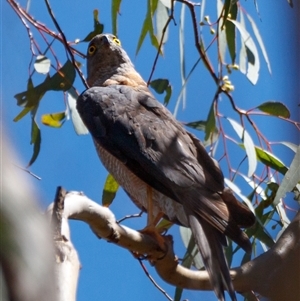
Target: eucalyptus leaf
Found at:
x=78, y=124
x=98, y=27
x=275, y=108
x=270, y=160
x=291, y=178
x=252, y=53
x=35, y=140
x=260, y=41
x=115, y=8
x=109, y=192
x=248, y=144
x=42, y=64
x=55, y=120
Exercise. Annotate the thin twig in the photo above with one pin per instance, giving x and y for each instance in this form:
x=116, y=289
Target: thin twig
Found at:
x=65, y=42
x=153, y=281
x=130, y=216
x=171, y=17
x=28, y=171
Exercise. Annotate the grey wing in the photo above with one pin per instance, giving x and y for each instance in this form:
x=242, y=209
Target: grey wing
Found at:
x=141, y=133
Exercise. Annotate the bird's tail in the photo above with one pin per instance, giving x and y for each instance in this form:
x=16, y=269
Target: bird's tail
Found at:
x=209, y=242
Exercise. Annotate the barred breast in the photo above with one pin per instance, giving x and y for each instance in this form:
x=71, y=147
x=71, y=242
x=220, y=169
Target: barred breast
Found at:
x=137, y=189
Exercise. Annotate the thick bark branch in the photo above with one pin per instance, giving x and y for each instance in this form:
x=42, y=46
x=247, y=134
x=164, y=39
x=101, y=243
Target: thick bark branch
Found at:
x=274, y=274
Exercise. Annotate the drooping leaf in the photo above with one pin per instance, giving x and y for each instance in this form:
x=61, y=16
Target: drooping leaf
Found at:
x=252, y=53
x=222, y=44
x=260, y=42
x=238, y=192
x=162, y=85
x=227, y=8
x=201, y=126
x=79, y=126
x=230, y=32
x=115, y=8
x=35, y=140
x=55, y=120
x=291, y=178
x=32, y=96
x=161, y=20
x=109, y=192
x=167, y=3
x=63, y=79
x=210, y=122
x=178, y=293
x=243, y=52
x=98, y=27
x=270, y=160
x=24, y=112
x=275, y=108
x=183, y=88
x=148, y=26
x=192, y=255
x=42, y=64
x=248, y=144
x=182, y=95
x=290, y=145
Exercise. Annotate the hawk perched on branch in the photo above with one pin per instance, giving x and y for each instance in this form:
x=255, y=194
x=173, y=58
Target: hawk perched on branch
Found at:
x=164, y=169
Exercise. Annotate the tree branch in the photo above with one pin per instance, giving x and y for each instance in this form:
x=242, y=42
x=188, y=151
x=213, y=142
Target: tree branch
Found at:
x=266, y=274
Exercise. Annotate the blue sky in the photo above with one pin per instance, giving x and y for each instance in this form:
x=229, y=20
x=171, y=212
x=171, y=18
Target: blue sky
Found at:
x=109, y=272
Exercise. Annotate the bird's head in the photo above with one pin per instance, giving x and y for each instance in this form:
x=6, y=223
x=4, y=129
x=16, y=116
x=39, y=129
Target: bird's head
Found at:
x=107, y=61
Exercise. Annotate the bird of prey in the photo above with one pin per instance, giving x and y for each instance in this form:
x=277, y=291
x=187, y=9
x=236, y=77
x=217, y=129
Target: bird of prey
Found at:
x=163, y=168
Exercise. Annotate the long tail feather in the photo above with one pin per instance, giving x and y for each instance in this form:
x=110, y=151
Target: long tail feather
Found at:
x=209, y=243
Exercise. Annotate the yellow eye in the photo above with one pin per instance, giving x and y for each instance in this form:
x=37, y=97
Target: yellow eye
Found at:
x=117, y=41
x=91, y=49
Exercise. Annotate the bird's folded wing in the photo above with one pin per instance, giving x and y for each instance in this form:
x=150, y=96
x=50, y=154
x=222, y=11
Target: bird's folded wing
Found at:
x=142, y=134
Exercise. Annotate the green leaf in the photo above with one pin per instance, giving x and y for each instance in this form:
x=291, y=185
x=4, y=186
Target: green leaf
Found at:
x=115, y=8
x=63, y=79
x=32, y=96
x=109, y=192
x=164, y=225
x=270, y=160
x=248, y=144
x=227, y=9
x=275, y=108
x=252, y=53
x=22, y=113
x=291, y=178
x=210, y=122
x=201, y=126
x=78, y=124
x=230, y=32
x=98, y=27
x=160, y=86
x=148, y=26
x=42, y=64
x=35, y=140
x=178, y=294
x=55, y=120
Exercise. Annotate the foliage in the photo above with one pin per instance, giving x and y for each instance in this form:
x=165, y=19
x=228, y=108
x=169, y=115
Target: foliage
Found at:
x=235, y=50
